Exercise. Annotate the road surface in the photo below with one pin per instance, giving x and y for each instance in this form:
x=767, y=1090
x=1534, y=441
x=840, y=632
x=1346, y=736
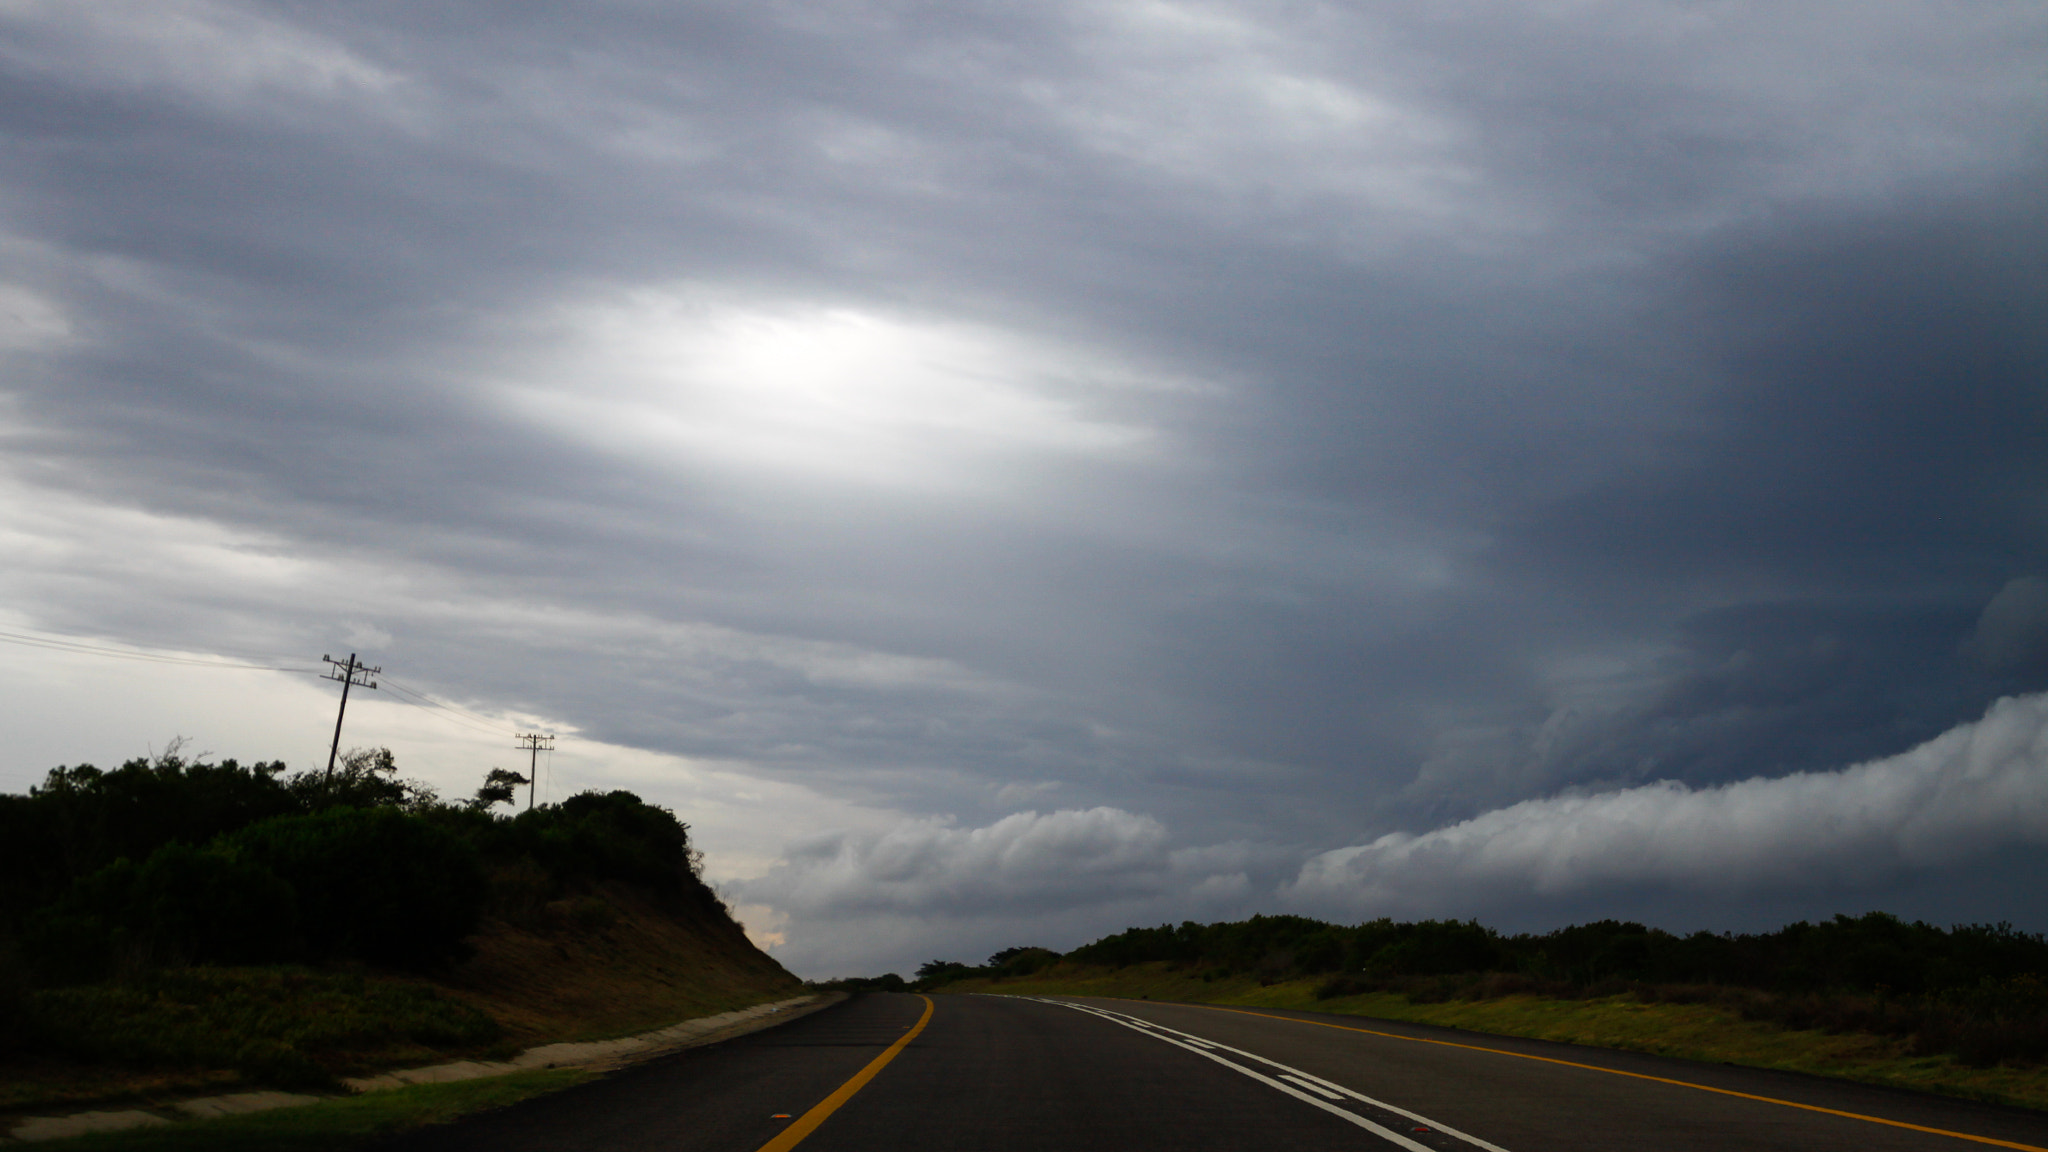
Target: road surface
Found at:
x=1074, y=1074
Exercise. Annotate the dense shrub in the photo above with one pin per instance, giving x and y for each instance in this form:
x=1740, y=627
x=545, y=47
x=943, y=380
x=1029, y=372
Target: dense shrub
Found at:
x=374, y=883
x=281, y=1027
x=182, y=906
x=82, y=819
x=608, y=836
x=165, y=862
x=1869, y=953
x=886, y=982
x=1020, y=961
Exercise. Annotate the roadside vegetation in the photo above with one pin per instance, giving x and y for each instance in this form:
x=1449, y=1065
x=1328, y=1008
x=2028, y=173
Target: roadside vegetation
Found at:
x=1871, y=997
x=173, y=926
x=335, y=1125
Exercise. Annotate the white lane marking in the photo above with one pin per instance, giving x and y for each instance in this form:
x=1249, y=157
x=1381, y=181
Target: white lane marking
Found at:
x=1183, y=1037
x=1342, y=1113
x=1312, y=1086
x=1174, y=1035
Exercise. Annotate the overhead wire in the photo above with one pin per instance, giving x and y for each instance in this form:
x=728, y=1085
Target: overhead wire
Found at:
x=59, y=644
x=440, y=703
x=452, y=712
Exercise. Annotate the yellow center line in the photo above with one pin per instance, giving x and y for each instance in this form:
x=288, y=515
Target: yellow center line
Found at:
x=809, y=1121
x=1638, y=1076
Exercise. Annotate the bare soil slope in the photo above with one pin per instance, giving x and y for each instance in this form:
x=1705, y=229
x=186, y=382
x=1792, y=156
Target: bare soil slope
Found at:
x=613, y=960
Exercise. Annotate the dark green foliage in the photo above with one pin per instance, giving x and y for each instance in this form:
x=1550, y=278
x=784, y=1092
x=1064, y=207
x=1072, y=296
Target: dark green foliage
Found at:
x=182, y=906
x=1874, y=953
x=1441, y=947
x=608, y=835
x=17, y=1028
x=373, y=883
x=497, y=789
x=82, y=819
x=168, y=862
x=268, y=1024
x=1975, y=990
x=933, y=973
x=139, y=895
x=1010, y=963
x=140, y=887
x=886, y=982
x=364, y=778
x=1020, y=961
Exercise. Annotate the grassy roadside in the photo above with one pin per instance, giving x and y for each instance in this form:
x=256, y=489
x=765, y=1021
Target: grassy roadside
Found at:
x=332, y=1125
x=608, y=963
x=1688, y=1031
x=335, y=1124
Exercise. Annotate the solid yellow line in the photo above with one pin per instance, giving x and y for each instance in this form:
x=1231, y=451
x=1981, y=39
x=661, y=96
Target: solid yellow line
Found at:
x=809, y=1121
x=1638, y=1076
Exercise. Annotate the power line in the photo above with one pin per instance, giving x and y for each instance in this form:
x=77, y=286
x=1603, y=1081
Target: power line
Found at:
x=62, y=645
x=450, y=713
x=495, y=722
x=455, y=713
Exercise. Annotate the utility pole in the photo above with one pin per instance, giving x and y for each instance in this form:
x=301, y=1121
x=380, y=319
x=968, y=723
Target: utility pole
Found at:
x=347, y=672
x=533, y=742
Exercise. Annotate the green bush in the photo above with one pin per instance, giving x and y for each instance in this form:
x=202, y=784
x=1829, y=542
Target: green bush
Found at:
x=373, y=883
x=607, y=836
x=283, y=1027
x=183, y=905
x=82, y=819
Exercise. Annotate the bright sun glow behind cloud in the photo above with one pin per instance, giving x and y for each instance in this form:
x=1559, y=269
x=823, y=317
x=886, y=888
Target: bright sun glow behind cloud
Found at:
x=824, y=392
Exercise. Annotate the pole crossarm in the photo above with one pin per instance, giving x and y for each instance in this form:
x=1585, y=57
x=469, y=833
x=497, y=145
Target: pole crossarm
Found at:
x=351, y=674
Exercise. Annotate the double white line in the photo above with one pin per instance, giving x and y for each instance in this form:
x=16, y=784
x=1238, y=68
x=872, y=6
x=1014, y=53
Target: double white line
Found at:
x=1309, y=1089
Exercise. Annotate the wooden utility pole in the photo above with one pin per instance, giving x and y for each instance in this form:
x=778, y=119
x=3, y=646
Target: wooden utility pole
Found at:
x=533, y=742
x=346, y=672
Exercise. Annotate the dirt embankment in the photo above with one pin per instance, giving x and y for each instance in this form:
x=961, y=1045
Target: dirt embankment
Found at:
x=595, y=961
x=611, y=960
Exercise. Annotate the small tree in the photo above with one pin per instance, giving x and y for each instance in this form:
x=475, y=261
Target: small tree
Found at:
x=498, y=789
x=365, y=778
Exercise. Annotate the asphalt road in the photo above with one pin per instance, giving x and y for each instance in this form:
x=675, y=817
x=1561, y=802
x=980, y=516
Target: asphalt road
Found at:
x=1005, y=1074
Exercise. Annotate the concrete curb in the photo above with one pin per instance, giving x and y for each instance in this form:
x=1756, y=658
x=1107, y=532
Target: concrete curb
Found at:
x=594, y=1053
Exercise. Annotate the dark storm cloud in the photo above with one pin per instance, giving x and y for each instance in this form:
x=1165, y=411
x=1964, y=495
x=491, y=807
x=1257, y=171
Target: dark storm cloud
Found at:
x=1280, y=424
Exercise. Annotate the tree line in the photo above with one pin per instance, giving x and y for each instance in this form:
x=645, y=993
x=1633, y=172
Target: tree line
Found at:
x=1868, y=953
x=169, y=862
x=1976, y=991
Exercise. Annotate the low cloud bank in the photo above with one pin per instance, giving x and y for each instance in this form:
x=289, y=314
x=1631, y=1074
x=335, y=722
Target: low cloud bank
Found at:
x=1976, y=788
x=869, y=902
x=927, y=866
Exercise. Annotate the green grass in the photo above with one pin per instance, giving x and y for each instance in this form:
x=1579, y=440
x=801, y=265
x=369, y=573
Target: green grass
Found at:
x=1688, y=1031
x=290, y=1027
x=333, y=1125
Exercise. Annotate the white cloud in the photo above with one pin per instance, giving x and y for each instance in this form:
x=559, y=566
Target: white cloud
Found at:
x=861, y=902
x=865, y=901
x=926, y=866
x=680, y=378
x=1976, y=787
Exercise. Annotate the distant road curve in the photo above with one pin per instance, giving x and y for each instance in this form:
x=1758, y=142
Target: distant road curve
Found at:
x=1080, y=1074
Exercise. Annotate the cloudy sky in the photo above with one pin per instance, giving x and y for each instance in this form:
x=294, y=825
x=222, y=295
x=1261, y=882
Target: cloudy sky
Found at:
x=1008, y=471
